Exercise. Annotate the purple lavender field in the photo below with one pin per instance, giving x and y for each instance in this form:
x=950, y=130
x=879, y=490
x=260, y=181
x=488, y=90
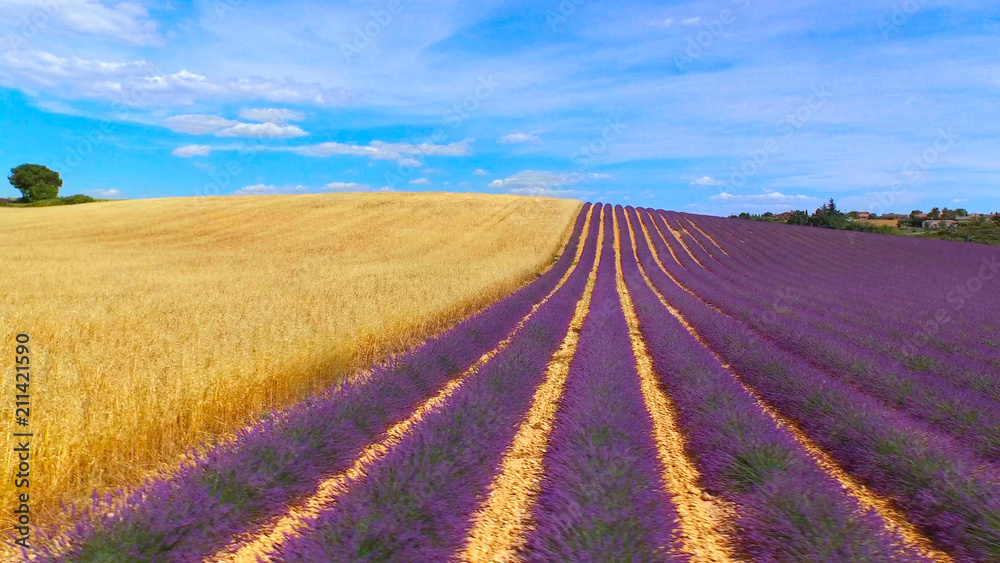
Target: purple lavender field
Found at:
x=676, y=388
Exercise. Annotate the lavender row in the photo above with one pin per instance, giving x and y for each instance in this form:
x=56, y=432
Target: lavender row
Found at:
x=933, y=276
x=816, y=266
x=788, y=267
x=788, y=509
x=266, y=467
x=944, y=491
x=965, y=414
x=602, y=493
x=416, y=503
x=861, y=328
x=858, y=328
x=904, y=251
x=970, y=369
x=960, y=404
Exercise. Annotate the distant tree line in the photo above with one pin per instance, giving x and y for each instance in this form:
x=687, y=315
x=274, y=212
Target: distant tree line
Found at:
x=983, y=229
x=829, y=216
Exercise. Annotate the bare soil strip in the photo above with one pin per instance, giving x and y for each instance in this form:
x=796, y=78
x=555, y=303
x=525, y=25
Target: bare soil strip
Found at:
x=706, y=235
x=499, y=526
x=699, y=519
x=893, y=519
x=299, y=517
x=679, y=235
x=676, y=259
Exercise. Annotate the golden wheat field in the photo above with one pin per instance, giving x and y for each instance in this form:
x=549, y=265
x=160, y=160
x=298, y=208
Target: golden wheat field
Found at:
x=157, y=324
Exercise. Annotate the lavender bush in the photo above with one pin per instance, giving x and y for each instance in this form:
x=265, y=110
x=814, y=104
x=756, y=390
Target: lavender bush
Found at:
x=602, y=491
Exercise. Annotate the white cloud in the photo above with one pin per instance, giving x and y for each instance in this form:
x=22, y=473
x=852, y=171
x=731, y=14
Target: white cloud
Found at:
x=188, y=151
x=201, y=124
x=346, y=187
x=269, y=189
x=198, y=124
x=692, y=21
x=378, y=150
x=519, y=138
x=140, y=84
x=707, y=181
x=271, y=115
x=769, y=200
x=544, y=183
x=420, y=182
x=104, y=193
x=268, y=130
x=128, y=22
x=412, y=162
x=662, y=23
x=480, y=172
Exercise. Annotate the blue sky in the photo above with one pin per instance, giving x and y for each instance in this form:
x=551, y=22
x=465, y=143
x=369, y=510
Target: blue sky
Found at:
x=710, y=107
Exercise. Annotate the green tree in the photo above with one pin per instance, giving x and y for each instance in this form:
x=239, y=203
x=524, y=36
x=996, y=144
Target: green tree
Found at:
x=961, y=211
x=828, y=216
x=934, y=213
x=35, y=181
x=798, y=218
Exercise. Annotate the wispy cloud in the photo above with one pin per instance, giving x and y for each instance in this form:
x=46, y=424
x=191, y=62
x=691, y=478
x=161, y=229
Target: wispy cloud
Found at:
x=105, y=194
x=707, y=181
x=520, y=137
x=271, y=115
x=128, y=22
x=380, y=150
x=201, y=124
x=140, y=83
x=188, y=151
x=544, y=183
x=421, y=182
x=269, y=189
x=768, y=200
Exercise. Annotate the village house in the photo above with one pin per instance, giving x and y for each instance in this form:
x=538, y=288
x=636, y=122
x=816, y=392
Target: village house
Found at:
x=939, y=223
